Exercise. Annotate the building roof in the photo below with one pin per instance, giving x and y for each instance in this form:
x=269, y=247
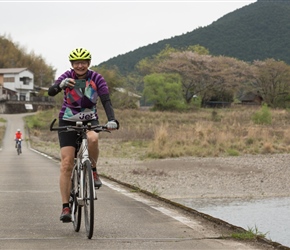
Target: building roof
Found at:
x=8, y=89
x=250, y=96
x=12, y=70
x=122, y=90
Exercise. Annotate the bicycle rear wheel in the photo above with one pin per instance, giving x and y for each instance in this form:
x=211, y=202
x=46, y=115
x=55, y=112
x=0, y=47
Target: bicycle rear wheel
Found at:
x=76, y=210
x=89, y=190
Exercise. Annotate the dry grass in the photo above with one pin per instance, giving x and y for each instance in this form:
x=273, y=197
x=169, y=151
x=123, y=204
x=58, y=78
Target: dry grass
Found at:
x=204, y=132
x=2, y=129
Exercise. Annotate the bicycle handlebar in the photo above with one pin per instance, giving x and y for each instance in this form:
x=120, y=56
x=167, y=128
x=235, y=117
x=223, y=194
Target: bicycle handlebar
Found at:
x=97, y=128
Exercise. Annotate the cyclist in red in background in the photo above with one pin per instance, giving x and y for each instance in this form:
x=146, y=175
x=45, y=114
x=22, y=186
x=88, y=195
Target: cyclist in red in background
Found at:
x=18, y=136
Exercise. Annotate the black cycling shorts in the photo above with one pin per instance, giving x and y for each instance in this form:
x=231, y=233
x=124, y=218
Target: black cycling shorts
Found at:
x=70, y=138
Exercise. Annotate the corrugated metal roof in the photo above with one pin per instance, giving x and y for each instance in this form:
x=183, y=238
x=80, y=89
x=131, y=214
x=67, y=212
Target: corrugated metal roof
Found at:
x=122, y=90
x=12, y=70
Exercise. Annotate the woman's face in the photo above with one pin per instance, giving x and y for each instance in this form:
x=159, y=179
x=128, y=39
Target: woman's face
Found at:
x=80, y=66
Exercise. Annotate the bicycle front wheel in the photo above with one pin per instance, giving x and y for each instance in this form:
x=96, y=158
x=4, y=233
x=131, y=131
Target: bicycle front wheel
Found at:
x=89, y=190
x=76, y=210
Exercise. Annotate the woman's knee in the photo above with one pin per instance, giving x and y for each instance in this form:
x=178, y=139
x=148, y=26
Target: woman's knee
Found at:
x=93, y=138
x=66, y=166
x=67, y=159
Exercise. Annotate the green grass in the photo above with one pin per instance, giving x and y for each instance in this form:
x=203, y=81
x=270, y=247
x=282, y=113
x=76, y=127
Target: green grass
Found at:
x=155, y=191
x=250, y=234
x=233, y=152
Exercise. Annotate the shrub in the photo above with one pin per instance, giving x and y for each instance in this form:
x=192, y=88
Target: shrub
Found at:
x=263, y=116
x=233, y=152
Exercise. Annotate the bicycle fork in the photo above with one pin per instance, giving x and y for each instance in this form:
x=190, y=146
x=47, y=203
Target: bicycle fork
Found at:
x=81, y=198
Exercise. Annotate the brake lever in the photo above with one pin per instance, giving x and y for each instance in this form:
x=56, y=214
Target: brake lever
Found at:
x=51, y=125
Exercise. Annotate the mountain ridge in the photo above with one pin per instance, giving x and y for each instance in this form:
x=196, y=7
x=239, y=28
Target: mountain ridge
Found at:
x=256, y=31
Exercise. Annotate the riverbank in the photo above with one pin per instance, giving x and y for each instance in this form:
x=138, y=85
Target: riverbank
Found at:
x=244, y=177
x=233, y=177
x=213, y=181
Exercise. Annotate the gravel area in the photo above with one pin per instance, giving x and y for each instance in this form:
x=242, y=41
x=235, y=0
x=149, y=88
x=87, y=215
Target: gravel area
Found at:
x=238, y=177
x=245, y=177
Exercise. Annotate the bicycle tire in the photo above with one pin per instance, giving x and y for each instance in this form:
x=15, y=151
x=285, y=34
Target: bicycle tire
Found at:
x=76, y=210
x=89, y=190
x=18, y=149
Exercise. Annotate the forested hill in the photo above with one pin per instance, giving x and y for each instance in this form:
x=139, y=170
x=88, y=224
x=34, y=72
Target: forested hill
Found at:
x=259, y=30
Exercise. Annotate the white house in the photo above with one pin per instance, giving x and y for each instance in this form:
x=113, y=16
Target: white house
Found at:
x=16, y=83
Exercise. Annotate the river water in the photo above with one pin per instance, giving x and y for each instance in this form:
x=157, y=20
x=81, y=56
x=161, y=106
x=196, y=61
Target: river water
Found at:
x=268, y=216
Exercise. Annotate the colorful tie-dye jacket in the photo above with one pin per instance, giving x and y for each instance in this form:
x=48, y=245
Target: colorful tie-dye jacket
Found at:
x=80, y=104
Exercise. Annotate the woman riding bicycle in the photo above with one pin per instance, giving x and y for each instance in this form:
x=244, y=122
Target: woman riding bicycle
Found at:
x=79, y=104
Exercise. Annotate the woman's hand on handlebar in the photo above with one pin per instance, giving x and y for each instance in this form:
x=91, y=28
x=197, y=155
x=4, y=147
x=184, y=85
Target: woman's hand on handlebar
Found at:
x=112, y=125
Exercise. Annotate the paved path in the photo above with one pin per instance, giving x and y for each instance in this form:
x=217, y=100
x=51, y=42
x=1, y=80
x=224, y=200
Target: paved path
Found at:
x=30, y=206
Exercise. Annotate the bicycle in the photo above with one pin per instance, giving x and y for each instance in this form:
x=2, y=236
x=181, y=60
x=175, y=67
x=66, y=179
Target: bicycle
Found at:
x=83, y=193
x=18, y=147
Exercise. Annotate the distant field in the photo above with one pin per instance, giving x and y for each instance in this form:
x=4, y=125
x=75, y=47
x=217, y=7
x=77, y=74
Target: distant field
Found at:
x=203, y=132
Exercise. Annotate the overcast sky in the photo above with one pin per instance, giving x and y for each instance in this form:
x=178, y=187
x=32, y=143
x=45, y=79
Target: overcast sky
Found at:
x=52, y=29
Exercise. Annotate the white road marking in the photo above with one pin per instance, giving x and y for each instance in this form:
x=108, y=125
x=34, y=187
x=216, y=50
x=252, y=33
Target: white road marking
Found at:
x=190, y=223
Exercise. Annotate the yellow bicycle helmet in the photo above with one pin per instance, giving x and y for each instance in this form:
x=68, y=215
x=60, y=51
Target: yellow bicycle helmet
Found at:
x=80, y=54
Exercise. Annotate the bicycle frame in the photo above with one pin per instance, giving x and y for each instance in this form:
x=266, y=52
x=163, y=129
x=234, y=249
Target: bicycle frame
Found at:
x=18, y=146
x=18, y=142
x=82, y=153
x=82, y=157
x=83, y=193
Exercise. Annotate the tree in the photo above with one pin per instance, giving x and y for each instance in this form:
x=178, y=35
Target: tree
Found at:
x=13, y=56
x=147, y=65
x=112, y=77
x=204, y=74
x=198, y=49
x=164, y=91
x=271, y=78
